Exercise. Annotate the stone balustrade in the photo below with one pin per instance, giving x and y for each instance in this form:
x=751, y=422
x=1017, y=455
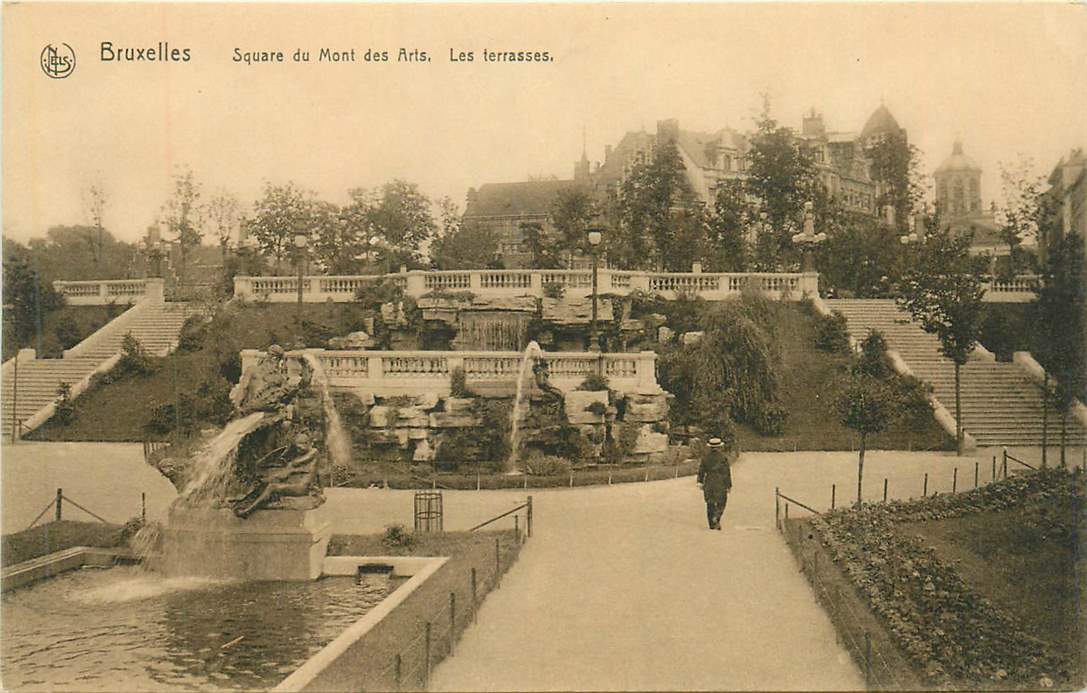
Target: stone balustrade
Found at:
x=711, y=286
x=105, y=291
x=393, y=373
x=1020, y=289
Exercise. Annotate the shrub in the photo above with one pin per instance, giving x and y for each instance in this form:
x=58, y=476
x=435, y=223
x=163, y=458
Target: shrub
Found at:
x=193, y=334
x=873, y=356
x=598, y=408
x=554, y=290
x=539, y=464
x=458, y=383
x=65, y=410
x=771, y=420
x=831, y=334
x=134, y=359
x=396, y=536
x=372, y=295
x=67, y=332
x=594, y=382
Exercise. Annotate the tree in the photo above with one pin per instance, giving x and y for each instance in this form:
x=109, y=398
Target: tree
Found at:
x=27, y=300
x=332, y=244
x=861, y=256
x=866, y=405
x=1023, y=209
x=281, y=211
x=545, y=255
x=943, y=291
x=726, y=246
x=183, y=216
x=572, y=211
x=1059, y=315
x=224, y=215
x=402, y=217
x=656, y=209
x=461, y=246
x=781, y=174
x=94, y=202
x=62, y=254
x=896, y=168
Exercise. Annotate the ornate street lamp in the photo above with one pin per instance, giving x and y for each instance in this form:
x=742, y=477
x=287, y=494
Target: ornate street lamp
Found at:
x=301, y=239
x=808, y=238
x=595, y=236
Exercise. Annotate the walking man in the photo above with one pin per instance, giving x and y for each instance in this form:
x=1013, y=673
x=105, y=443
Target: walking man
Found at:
x=715, y=476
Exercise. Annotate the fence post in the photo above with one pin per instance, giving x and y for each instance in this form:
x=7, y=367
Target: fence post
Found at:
x=924, y=491
x=1005, y=472
x=426, y=680
x=497, y=565
x=528, y=518
x=475, y=603
x=833, y=492
x=786, y=512
x=397, y=668
x=994, y=468
x=867, y=659
x=777, y=508
x=452, y=622
x=884, y=489
x=60, y=498
x=517, y=528
x=977, y=466
x=143, y=507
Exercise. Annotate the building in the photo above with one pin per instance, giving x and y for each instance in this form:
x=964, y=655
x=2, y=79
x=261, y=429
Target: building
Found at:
x=959, y=203
x=709, y=159
x=505, y=207
x=1068, y=194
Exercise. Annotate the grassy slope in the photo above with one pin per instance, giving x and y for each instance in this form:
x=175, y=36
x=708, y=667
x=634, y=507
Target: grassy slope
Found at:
x=55, y=536
x=117, y=412
x=1009, y=558
x=807, y=383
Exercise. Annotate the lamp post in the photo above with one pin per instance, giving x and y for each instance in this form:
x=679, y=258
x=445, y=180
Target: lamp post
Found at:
x=808, y=238
x=595, y=236
x=300, y=241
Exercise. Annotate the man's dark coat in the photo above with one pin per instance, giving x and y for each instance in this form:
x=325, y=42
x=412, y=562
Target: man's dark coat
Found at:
x=715, y=475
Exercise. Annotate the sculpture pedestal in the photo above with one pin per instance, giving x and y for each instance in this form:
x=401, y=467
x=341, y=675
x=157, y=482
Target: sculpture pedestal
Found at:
x=270, y=544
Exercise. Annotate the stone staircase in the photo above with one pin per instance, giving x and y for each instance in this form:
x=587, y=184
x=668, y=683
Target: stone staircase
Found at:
x=155, y=324
x=1000, y=404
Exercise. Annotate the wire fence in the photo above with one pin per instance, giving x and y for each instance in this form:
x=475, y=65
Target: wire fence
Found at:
x=411, y=666
x=56, y=504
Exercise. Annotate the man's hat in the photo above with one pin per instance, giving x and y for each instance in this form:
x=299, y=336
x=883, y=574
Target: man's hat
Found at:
x=715, y=443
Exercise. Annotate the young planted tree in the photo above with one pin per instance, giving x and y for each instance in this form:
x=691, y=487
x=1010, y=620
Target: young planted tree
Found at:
x=943, y=291
x=1061, y=333
x=572, y=211
x=94, y=202
x=1023, y=207
x=461, y=246
x=896, y=168
x=727, y=249
x=867, y=406
x=401, y=216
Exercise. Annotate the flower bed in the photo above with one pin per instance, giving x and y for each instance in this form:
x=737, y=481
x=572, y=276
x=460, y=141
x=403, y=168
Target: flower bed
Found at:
x=951, y=634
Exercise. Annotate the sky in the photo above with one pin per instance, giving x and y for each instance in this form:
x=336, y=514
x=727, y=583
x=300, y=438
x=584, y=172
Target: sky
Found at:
x=1010, y=80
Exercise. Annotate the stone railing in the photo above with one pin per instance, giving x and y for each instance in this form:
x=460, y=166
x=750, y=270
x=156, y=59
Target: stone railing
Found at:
x=1020, y=289
x=711, y=286
x=391, y=373
x=106, y=291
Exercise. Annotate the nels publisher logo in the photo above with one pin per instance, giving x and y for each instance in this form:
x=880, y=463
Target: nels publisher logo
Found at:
x=58, y=60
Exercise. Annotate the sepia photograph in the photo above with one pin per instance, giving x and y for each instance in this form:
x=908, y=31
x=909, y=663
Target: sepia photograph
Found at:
x=526, y=346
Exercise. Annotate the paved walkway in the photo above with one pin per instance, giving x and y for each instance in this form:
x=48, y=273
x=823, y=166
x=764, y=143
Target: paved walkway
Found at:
x=624, y=588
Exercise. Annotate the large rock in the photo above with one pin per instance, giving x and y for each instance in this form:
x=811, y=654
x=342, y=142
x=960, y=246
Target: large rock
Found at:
x=379, y=416
x=692, y=337
x=427, y=401
x=447, y=419
x=519, y=304
x=576, y=402
x=423, y=452
x=459, y=405
x=665, y=334
x=646, y=408
x=411, y=417
x=569, y=312
x=649, y=442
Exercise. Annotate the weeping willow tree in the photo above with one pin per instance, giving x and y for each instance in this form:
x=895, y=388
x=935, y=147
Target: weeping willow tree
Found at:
x=731, y=374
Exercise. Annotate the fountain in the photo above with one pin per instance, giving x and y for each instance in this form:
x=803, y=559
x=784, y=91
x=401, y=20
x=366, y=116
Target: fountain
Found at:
x=249, y=503
x=541, y=379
